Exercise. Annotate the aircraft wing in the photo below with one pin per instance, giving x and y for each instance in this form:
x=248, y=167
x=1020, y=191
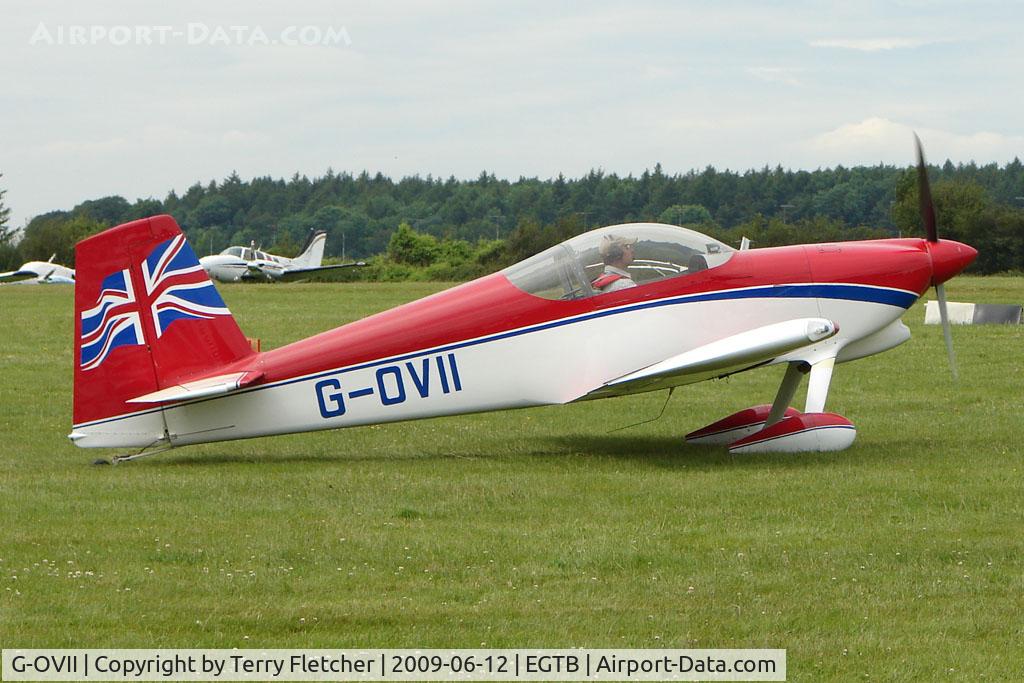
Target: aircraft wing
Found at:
x=17, y=275
x=726, y=356
x=200, y=388
x=320, y=273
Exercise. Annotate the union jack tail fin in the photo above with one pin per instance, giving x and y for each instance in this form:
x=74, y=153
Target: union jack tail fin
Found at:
x=147, y=317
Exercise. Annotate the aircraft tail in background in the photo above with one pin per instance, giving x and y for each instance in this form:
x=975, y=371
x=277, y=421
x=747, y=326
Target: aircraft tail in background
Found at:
x=312, y=255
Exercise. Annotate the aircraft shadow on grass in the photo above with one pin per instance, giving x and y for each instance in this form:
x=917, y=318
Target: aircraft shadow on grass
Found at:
x=662, y=452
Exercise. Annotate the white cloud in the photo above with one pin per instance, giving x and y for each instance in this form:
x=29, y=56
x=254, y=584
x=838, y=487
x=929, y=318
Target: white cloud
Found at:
x=879, y=139
x=775, y=74
x=653, y=72
x=244, y=138
x=147, y=140
x=872, y=44
x=871, y=132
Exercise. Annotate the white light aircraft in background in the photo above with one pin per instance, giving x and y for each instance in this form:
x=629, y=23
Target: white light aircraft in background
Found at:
x=40, y=273
x=249, y=263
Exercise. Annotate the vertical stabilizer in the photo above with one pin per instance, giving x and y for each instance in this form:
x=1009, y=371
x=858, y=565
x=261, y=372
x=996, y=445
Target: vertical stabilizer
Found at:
x=146, y=317
x=313, y=255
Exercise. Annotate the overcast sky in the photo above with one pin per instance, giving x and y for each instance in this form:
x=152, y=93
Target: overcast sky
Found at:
x=139, y=98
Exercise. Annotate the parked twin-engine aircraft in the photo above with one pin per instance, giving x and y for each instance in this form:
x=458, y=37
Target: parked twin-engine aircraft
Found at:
x=249, y=263
x=160, y=361
x=40, y=273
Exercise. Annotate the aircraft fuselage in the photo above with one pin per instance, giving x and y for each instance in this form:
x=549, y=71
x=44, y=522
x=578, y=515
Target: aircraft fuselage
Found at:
x=487, y=345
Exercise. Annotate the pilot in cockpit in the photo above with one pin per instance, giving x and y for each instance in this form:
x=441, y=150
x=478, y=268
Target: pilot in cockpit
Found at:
x=617, y=254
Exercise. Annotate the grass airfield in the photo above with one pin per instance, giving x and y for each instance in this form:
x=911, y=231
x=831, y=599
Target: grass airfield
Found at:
x=901, y=558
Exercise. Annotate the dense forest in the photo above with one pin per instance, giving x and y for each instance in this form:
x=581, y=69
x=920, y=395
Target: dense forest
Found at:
x=455, y=229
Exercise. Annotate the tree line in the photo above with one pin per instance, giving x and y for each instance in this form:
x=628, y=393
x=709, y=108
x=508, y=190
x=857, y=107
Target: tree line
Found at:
x=462, y=228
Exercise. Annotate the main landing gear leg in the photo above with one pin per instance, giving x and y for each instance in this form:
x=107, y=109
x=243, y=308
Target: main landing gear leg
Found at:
x=817, y=385
x=790, y=383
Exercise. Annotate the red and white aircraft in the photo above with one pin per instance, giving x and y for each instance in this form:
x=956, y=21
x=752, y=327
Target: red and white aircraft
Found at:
x=160, y=361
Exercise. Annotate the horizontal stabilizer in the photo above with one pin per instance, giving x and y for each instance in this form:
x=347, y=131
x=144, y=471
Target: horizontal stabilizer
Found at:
x=724, y=356
x=201, y=388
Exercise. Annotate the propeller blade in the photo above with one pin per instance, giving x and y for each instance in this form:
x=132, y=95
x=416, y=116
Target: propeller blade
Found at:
x=940, y=293
x=924, y=194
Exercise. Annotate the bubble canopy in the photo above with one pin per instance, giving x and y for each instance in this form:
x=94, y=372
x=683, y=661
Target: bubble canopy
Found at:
x=571, y=270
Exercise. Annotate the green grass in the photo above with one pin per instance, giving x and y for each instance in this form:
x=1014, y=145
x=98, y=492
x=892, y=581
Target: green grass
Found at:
x=900, y=558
